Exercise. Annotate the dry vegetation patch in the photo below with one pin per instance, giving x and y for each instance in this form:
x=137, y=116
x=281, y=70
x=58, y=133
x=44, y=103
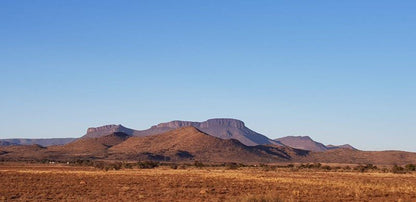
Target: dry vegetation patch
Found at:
x=73, y=183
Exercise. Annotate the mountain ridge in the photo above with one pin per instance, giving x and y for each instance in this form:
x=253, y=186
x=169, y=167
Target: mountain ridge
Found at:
x=39, y=141
x=307, y=143
x=188, y=144
x=220, y=127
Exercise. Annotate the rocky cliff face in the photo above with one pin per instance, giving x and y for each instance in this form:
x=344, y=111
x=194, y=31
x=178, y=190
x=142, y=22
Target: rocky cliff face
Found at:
x=106, y=130
x=344, y=146
x=222, y=128
x=234, y=123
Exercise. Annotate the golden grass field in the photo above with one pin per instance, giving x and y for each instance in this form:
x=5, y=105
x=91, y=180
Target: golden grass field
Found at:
x=40, y=182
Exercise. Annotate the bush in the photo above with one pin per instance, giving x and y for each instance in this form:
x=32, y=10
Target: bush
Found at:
x=397, y=169
x=290, y=165
x=410, y=167
x=198, y=164
x=99, y=165
x=127, y=165
x=148, y=164
x=232, y=166
x=364, y=168
x=317, y=165
x=173, y=166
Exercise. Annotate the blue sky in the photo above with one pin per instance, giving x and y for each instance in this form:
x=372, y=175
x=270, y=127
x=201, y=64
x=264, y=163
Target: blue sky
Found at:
x=338, y=71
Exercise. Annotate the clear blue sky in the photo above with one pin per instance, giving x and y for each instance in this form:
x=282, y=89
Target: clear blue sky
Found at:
x=338, y=71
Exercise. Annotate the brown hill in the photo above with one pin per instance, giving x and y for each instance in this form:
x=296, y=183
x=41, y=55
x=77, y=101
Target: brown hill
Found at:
x=89, y=147
x=189, y=143
x=362, y=157
x=22, y=152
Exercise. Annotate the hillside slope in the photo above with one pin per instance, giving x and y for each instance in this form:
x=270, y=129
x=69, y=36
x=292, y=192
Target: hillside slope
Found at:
x=221, y=128
x=189, y=143
x=88, y=147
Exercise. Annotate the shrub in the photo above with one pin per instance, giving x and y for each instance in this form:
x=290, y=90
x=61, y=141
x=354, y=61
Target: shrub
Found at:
x=198, y=164
x=99, y=164
x=148, y=164
x=397, y=169
x=364, y=168
x=317, y=165
x=410, y=167
x=173, y=166
x=232, y=166
x=290, y=165
x=128, y=165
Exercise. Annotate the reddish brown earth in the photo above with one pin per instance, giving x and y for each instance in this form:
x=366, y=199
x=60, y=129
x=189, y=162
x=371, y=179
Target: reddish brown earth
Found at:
x=55, y=182
x=189, y=144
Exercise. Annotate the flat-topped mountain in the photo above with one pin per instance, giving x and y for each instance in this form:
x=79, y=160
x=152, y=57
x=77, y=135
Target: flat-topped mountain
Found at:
x=221, y=128
x=344, y=146
x=302, y=142
x=307, y=143
x=180, y=145
x=189, y=143
x=106, y=130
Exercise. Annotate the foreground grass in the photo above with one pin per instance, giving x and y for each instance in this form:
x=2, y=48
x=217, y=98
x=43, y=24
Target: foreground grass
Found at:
x=46, y=182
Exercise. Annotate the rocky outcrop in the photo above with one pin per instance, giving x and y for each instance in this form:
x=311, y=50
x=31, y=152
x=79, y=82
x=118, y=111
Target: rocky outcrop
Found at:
x=106, y=130
x=344, y=146
x=221, y=128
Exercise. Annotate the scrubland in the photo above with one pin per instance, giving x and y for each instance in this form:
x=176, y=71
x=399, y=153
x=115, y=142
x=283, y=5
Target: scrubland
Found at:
x=40, y=182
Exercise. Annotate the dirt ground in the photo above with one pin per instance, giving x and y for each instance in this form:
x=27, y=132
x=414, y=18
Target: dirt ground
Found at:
x=60, y=182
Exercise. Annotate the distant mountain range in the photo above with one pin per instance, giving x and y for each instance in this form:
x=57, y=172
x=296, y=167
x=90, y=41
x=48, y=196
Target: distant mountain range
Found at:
x=43, y=142
x=6, y=143
x=185, y=144
x=221, y=128
x=189, y=143
x=306, y=143
x=214, y=140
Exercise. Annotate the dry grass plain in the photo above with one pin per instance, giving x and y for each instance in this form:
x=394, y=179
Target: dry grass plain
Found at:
x=30, y=182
